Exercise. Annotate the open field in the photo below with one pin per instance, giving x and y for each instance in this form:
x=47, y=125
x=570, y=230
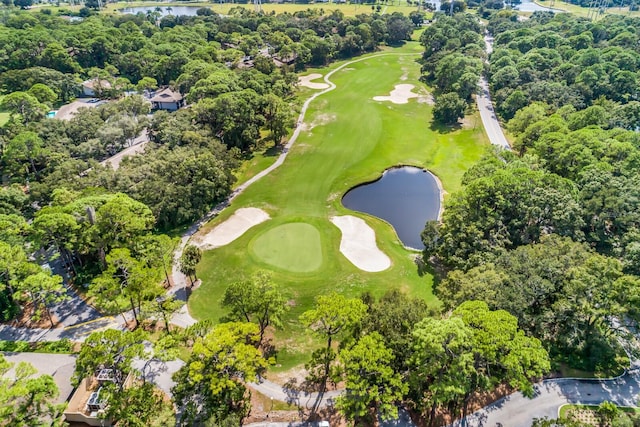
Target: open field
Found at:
x=584, y=11
x=223, y=8
x=349, y=138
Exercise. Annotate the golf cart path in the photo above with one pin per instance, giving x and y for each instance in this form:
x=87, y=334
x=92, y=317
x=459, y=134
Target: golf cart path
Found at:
x=293, y=396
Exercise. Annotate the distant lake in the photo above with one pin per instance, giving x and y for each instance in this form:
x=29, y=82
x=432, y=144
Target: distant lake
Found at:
x=530, y=6
x=175, y=10
x=406, y=197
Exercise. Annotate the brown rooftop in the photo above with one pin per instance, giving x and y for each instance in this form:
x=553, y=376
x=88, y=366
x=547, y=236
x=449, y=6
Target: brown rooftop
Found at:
x=167, y=95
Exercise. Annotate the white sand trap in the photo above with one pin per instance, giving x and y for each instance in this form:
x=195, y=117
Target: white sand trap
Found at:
x=234, y=227
x=306, y=81
x=358, y=244
x=400, y=95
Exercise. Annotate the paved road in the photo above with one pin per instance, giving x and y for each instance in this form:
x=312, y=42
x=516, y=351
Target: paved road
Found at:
x=67, y=111
x=137, y=146
x=404, y=420
x=74, y=310
x=487, y=112
x=156, y=371
x=74, y=333
x=518, y=411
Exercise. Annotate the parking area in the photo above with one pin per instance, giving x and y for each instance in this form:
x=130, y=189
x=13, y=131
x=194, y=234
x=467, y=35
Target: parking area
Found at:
x=67, y=111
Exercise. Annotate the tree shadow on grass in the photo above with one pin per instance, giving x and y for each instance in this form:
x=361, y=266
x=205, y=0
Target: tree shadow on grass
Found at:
x=436, y=270
x=274, y=151
x=444, y=129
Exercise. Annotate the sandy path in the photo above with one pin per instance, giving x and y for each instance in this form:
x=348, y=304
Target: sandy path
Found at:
x=358, y=244
x=401, y=94
x=238, y=224
x=306, y=81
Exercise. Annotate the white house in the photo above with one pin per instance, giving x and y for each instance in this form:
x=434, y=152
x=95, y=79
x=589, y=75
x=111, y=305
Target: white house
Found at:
x=167, y=99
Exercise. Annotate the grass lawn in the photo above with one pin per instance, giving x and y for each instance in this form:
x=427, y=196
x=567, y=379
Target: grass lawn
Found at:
x=349, y=139
x=294, y=247
x=584, y=11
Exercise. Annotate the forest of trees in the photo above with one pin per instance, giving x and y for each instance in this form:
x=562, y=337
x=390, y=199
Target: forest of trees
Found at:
x=452, y=64
x=549, y=232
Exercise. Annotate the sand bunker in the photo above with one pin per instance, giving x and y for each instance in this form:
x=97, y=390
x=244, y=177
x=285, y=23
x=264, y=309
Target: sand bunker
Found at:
x=358, y=244
x=306, y=81
x=234, y=227
x=400, y=95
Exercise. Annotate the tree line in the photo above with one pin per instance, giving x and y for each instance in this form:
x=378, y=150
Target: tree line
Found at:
x=387, y=353
x=452, y=63
x=549, y=232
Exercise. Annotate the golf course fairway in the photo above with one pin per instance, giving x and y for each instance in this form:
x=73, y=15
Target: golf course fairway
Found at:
x=348, y=138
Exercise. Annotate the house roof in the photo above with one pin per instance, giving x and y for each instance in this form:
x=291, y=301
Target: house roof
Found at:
x=91, y=84
x=167, y=95
x=59, y=366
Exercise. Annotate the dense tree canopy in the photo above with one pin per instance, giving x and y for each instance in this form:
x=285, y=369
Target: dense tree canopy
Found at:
x=549, y=232
x=26, y=400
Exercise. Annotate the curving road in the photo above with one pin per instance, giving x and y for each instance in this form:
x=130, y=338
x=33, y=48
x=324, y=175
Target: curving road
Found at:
x=516, y=410
x=294, y=396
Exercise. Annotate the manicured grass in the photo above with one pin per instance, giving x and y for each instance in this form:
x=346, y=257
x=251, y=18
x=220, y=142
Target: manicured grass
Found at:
x=258, y=161
x=292, y=247
x=349, y=139
x=584, y=11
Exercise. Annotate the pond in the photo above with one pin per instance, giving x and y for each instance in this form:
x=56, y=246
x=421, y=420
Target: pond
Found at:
x=531, y=6
x=174, y=10
x=406, y=197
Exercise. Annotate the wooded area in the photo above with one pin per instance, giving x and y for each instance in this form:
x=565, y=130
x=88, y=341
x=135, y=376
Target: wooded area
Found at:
x=550, y=232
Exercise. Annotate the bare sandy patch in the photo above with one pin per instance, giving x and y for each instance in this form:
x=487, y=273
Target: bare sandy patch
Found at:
x=319, y=120
x=238, y=224
x=358, y=244
x=400, y=95
x=426, y=99
x=306, y=81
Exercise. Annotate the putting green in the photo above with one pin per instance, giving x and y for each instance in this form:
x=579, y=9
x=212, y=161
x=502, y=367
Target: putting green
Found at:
x=293, y=247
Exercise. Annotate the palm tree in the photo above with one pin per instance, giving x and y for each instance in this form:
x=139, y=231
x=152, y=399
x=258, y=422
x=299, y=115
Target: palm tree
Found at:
x=169, y=9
